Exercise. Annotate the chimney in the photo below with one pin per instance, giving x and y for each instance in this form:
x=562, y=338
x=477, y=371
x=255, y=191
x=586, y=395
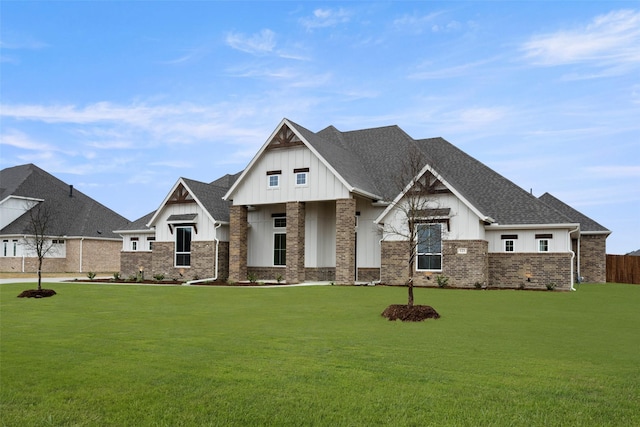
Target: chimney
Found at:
x=70, y=190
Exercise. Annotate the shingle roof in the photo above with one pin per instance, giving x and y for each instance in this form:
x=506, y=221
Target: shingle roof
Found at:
x=368, y=159
x=74, y=213
x=210, y=195
x=586, y=224
x=139, y=224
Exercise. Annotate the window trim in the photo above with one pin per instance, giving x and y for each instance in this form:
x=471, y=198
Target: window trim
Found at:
x=505, y=246
x=546, y=245
x=277, y=174
x=183, y=253
x=429, y=254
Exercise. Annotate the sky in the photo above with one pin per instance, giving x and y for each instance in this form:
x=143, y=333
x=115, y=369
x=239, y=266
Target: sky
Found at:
x=122, y=98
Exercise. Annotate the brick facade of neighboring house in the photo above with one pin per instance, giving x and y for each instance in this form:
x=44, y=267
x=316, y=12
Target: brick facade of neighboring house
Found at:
x=83, y=225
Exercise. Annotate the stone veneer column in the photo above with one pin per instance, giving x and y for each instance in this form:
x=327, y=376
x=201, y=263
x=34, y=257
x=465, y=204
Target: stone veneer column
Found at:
x=295, y=242
x=345, y=241
x=238, y=243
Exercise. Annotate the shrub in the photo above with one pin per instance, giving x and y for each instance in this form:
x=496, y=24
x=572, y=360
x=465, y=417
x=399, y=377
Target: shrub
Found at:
x=158, y=277
x=279, y=278
x=132, y=278
x=478, y=285
x=442, y=280
x=252, y=277
x=116, y=276
x=91, y=275
x=551, y=286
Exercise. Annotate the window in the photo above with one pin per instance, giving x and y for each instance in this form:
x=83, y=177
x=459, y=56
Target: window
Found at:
x=280, y=249
x=301, y=175
x=543, y=245
x=429, y=246
x=273, y=179
x=15, y=247
x=280, y=240
x=509, y=242
x=134, y=243
x=5, y=247
x=183, y=246
x=150, y=241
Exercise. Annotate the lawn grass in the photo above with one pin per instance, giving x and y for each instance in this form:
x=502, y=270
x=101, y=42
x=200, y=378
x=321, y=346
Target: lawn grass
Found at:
x=107, y=355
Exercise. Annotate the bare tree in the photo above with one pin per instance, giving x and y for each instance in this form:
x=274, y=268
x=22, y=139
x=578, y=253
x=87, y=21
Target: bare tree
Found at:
x=40, y=217
x=417, y=211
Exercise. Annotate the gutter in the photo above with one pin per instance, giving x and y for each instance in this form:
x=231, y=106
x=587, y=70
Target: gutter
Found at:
x=210, y=279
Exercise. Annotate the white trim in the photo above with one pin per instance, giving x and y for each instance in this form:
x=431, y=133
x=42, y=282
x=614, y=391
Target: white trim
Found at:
x=425, y=169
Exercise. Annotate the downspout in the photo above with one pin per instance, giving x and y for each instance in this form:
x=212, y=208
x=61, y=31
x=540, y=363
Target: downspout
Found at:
x=210, y=279
x=81, y=240
x=380, y=244
x=573, y=257
x=23, y=253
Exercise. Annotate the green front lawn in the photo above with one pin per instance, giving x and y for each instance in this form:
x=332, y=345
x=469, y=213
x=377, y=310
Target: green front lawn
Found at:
x=109, y=355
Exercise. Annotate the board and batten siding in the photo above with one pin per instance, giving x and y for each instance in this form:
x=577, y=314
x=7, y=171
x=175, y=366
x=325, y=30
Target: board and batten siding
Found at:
x=322, y=184
x=320, y=234
x=527, y=241
x=464, y=224
x=206, y=227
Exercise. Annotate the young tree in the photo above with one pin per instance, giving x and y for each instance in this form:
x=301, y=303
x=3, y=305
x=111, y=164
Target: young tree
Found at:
x=416, y=213
x=40, y=217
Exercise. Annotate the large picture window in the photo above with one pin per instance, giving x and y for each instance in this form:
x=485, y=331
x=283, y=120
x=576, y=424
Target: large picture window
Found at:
x=429, y=246
x=183, y=246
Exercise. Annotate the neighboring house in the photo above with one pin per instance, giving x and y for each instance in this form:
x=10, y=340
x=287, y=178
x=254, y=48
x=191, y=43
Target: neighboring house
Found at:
x=322, y=206
x=81, y=229
x=187, y=237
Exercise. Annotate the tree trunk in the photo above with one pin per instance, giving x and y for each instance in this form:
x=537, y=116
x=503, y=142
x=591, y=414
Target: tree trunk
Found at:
x=40, y=274
x=410, y=301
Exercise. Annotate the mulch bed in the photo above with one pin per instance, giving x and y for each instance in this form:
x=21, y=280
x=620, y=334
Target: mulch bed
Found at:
x=37, y=293
x=406, y=313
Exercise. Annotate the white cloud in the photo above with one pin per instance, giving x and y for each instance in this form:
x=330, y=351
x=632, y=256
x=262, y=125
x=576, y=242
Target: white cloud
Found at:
x=607, y=40
x=257, y=44
x=18, y=139
x=323, y=18
x=614, y=171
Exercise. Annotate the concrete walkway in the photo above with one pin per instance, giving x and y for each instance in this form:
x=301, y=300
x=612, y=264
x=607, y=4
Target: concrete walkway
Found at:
x=84, y=279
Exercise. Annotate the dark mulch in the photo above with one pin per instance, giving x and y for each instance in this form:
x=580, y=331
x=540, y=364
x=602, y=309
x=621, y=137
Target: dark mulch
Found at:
x=37, y=293
x=415, y=313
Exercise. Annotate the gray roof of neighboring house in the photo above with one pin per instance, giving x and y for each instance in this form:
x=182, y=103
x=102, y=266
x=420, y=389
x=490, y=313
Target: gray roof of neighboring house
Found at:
x=634, y=253
x=139, y=224
x=586, y=223
x=74, y=213
x=367, y=159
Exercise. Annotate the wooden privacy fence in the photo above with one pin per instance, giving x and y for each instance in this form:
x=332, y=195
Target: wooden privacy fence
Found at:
x=623, y=269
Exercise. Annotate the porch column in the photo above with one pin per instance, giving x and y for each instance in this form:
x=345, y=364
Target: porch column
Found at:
x=345, y=241
x=295, y=242
x=238, y=228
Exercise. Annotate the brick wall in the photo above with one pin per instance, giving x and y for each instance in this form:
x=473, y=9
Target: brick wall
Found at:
x=394, y=259
x=238, y=243
x=463, y=270
x=345, y=241
x=131, y=261
x=593, y=258
x=100, y=256
x=511, y=270
x=295, y=242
